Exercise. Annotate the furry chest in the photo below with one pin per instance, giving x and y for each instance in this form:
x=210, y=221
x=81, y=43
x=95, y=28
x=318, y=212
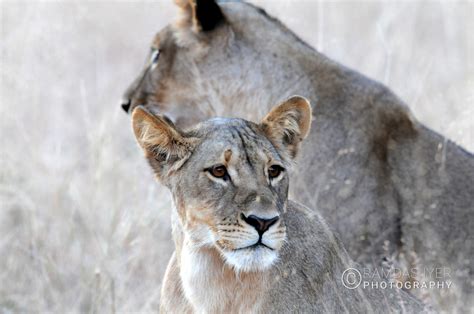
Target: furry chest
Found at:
x=210, y=286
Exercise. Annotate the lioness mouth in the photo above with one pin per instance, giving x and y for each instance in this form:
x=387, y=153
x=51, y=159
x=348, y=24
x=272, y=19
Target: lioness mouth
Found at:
x=255, y=245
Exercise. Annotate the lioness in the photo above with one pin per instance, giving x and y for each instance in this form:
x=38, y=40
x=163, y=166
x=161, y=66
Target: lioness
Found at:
x=389, y=186
x=241, y=245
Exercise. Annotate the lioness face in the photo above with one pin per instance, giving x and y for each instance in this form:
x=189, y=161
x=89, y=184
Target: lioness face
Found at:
x=231, y=193
x=171, y=81
x=193, y=73
x=229, y=178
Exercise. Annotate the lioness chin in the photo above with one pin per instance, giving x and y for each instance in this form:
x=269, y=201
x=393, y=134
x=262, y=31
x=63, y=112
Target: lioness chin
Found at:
x=241, y=245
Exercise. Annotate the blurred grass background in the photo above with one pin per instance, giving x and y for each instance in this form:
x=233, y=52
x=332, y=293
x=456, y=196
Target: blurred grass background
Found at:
x=83, y=225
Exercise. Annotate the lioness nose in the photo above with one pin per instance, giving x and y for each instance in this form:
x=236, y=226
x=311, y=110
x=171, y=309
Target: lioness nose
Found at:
x=125, y=103
x=260, y=224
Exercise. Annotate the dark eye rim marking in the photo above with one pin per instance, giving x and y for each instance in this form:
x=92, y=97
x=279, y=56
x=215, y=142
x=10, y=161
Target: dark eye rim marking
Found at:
x=273, y=175
x=218, y=171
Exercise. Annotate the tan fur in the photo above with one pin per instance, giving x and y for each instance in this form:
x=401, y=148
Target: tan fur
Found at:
x=157, y=137
x=388, y=185
x=187, y=18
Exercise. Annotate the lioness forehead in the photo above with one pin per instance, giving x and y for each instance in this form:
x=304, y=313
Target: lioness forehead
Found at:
x=243, y=138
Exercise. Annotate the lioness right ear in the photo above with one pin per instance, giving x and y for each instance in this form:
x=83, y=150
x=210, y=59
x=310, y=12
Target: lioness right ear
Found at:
x=287, y=124
x=201, y=15
x=165, y=147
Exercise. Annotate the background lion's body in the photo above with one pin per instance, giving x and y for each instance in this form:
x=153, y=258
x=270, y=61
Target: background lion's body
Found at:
x=393, y=189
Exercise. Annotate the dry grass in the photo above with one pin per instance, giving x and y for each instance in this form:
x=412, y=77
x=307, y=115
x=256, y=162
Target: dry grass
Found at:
x=83, y=226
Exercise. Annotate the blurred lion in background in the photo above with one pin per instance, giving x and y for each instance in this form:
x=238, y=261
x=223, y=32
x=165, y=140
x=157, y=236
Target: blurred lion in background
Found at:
x=395, y=191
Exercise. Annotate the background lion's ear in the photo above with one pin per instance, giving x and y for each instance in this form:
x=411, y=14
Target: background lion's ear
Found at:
x=165, y=147
x=201, y=15
x=287, y=124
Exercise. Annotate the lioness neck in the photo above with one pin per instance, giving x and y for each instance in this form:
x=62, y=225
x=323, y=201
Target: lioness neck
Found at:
x=211, y=286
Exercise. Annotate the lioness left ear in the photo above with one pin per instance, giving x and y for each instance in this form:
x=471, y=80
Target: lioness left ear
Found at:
x=288, y=124
x=204, y=15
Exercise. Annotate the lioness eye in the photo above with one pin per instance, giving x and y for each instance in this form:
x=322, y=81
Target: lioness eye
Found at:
x=155, y=55
x=274, y=171
x=218, y=171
